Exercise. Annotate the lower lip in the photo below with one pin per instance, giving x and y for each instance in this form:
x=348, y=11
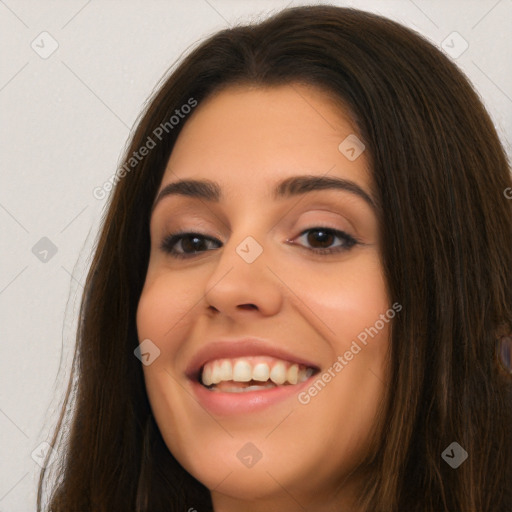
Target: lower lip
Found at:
x=222, y=403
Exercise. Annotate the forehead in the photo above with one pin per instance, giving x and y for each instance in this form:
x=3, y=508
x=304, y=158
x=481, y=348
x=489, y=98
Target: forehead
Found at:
x=251, y=137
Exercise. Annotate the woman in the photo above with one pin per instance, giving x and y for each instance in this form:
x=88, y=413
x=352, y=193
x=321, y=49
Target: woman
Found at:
x=309, y=250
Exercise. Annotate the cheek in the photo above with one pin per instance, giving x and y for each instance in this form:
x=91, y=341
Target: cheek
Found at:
x=165, y=316
x=354, y=314
x=164, y=305
x=344, y=299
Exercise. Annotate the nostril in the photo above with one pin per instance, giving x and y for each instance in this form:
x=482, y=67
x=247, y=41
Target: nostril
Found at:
x=248, y=306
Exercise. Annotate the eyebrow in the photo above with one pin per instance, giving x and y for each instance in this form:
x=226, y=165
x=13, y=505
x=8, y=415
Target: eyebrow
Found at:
x=289, y=187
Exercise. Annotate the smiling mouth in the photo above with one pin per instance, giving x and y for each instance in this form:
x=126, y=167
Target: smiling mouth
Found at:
x=254, y=373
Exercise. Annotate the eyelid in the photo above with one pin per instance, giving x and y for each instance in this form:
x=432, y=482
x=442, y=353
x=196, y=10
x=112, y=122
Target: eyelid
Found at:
x=322, y=224
x=182, y=233
x=325, y=215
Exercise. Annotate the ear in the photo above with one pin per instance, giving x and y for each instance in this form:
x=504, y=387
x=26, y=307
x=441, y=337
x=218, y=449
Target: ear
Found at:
x=504, y=353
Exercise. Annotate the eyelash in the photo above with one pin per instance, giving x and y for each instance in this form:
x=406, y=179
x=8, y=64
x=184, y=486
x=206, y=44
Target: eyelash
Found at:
x=169, y=242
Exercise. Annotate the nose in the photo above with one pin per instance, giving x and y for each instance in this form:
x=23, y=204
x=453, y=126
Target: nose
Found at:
x=241, y=282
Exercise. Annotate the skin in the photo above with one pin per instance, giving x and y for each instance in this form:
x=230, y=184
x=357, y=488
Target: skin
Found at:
x=247, y=139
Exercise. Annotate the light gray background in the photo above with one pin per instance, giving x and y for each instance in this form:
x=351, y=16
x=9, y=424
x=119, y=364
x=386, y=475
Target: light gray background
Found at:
x=64, y=122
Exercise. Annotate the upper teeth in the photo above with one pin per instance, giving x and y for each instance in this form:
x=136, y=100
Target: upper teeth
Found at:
x=254, y=368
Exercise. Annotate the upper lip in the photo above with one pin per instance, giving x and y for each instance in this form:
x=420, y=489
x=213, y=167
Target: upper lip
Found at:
x=227, y=349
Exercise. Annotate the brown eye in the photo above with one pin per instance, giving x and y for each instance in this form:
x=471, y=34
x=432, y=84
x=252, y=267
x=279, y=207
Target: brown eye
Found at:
x=321, y=240
x=321, y=237
x=183, y=245
x=193, y=243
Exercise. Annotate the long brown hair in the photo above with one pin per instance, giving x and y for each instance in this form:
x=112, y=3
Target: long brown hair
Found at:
x=439, y=172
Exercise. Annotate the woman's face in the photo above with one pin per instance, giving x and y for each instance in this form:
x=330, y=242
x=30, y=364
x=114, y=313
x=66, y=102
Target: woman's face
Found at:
x=277, y=300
